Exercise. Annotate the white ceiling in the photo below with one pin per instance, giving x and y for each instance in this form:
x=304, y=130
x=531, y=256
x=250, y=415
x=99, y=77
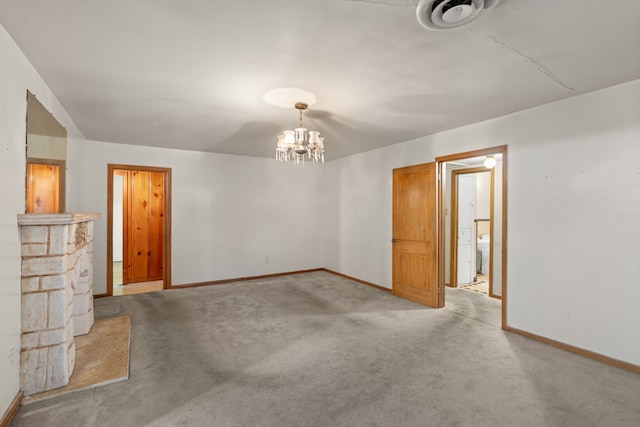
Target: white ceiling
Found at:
x=190, y=74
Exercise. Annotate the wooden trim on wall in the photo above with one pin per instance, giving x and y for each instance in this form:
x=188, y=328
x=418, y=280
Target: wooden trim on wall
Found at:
x=126, y=209
x=492, y=234
x=267, y=276
x=577, y=350
x=12, y=410
x=242, y=279
x=110, y=170
x=453, y=246
x=166, y=267
x=441, y=232
x=563, y=346
x=373, y=285
x=505, y=241
x=501, y=149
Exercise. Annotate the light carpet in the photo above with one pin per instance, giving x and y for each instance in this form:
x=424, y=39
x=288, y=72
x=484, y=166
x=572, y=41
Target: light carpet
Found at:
x=319, y=350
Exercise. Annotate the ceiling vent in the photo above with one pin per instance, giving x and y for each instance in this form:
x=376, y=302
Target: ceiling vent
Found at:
x=450, y=14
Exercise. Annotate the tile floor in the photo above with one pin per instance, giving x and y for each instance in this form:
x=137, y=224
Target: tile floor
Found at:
x=481, y=285
x=132, y=288
x=102, y=357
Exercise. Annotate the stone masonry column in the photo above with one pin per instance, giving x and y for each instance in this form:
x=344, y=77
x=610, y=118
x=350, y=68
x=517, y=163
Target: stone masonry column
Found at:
x=57, y=295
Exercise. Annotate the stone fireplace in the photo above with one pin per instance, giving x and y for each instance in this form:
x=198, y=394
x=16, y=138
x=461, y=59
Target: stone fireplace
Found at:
x=57, y=295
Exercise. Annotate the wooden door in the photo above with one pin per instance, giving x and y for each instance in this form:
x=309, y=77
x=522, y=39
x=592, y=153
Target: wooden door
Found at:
x=415, y=275
x=143, y=226
x=44, y=186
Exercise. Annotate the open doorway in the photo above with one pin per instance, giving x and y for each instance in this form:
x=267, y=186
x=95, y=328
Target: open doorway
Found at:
x=139, y=238
x=473, y=229
x=469, y=214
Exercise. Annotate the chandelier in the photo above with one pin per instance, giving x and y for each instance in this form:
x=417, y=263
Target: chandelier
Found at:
x=300, y=143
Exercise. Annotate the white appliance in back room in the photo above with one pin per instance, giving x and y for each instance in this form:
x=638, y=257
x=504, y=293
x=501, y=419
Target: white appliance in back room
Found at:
x=484, y=243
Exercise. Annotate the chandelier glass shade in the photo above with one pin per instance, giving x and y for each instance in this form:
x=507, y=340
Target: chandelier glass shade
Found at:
x=299, y=143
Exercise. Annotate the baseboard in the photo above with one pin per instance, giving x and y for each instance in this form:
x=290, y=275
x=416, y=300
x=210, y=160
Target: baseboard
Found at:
x=563, y=346
x=241, y=279
x=577, y=350
x=267, y=276
x=373, y=285
x=100, y=295
x=12, y=410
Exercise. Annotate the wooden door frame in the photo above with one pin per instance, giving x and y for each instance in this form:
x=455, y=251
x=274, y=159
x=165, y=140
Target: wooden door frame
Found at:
x=453, y=274
x=502, y=149
x=166, y=223
x=126, y=207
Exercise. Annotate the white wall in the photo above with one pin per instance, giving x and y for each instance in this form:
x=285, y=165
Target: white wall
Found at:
x=233, y=216
x=118, y=217
x=47, y=147
x=574, y=222
x=574, y=215
x=16, y=76
x=358, y=231
x=483, y=195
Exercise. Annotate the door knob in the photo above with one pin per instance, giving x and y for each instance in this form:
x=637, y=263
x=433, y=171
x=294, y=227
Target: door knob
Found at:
x=393, y=240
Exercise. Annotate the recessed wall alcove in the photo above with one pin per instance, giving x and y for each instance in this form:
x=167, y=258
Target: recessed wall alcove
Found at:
x=57, y=259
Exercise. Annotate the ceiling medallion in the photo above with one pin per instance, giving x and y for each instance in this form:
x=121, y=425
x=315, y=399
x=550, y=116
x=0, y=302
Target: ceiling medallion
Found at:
x=300, y=143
